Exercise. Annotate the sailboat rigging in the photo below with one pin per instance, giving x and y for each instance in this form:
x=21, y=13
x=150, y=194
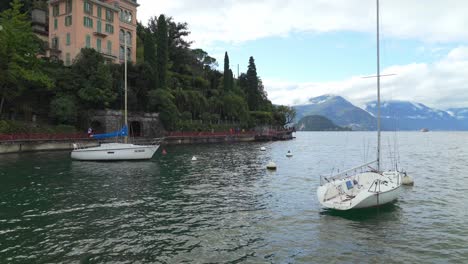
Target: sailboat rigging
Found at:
x=116, y=151
x=350, y=190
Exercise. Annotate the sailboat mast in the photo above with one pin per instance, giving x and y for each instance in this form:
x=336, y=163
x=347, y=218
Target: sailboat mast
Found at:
x=378, y=90
x=125, y=85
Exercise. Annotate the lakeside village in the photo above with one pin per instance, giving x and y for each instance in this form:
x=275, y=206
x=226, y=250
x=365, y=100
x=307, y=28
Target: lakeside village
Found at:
x=62, y=73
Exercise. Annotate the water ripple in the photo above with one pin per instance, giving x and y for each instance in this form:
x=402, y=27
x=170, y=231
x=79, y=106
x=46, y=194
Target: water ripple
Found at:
x=226, y=208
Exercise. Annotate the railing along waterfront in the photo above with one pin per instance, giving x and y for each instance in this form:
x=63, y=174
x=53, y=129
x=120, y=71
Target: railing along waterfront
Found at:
x=41, y=136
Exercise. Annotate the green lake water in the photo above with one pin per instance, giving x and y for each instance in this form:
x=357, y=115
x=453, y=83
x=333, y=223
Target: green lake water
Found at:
x=227, y=208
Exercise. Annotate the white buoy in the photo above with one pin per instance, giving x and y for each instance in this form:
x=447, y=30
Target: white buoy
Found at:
x=407, y=180
x=194, y=158
x=271, y=165
x=263, y=149
x=289, y=154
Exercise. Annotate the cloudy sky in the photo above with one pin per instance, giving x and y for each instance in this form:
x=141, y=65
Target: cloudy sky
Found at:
x=306, y=48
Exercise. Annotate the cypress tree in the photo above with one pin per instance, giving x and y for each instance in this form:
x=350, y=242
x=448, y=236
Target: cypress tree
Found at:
x=227, y=73
x=149, y=50
x=162, y=52
x=231, y=80
x=252, y=86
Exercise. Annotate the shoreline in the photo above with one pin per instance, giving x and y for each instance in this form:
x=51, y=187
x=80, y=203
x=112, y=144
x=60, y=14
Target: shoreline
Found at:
x=36, y=145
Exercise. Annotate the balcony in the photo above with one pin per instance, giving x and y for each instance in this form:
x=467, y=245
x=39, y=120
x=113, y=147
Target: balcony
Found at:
x=133, y=2
x=100, y=34
x=107, y=54
x=53, y=48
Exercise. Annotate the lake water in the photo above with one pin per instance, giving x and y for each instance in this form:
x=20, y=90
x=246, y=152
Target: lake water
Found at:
x=227, y=208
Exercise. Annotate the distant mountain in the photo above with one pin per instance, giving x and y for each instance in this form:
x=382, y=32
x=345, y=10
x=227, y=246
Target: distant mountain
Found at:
x=318, y=123
x=459, y=113
x=404, y=115
x=396, y=115
x=339, y=111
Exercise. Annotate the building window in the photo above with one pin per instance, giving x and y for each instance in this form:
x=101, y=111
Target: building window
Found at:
x=68, y=6
x=109, y=15
x=99, y=24
x=98, y=44
x=110, y=28
x=99, y=12
x=88, y=8
x=109, y=47
x=88, y=41
x=88, y=22
x=55, y=23
x=68, y=21
x=55, y=43
x=55, y=10
x=129, y=53
x=129, y=38
x=68, y=39
x=122, y=53
x=67, y=59
x=125, y=16
x=121, y=36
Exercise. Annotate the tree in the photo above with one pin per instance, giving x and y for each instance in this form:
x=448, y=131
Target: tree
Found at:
x=149, y=52
x=227, y=73
x=284, y=115
x=94, y=78
x=203, y=58
x=19, y=66
x=162, y=53
x=64, y=109
x=163, y=101
x=252, y=86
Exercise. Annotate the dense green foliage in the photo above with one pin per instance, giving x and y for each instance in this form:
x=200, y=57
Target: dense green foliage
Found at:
x=19, y=67
x=162, y=53
x=169, y=77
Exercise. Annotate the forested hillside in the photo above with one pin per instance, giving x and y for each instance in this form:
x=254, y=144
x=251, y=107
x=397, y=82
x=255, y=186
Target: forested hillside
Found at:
x=183, y=84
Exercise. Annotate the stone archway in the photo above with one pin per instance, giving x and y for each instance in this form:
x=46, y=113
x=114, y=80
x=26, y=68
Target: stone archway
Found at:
x=135, y=129
x=97, y=127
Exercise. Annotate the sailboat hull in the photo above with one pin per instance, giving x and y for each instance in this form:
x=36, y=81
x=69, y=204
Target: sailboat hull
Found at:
x=379, y=199
x=115, y=152
x=363, y=190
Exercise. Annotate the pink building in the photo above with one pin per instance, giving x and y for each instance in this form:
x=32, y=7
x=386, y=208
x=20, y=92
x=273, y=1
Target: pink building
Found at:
x=99, y=24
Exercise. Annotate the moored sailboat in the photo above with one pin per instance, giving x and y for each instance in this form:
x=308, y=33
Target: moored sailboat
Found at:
x=356, y=188
x=116, y=151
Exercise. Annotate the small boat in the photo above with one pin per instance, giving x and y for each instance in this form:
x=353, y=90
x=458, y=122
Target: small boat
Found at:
x=263, y=149
x=114, y=151
x=289, y=154
x=424, y=130
x=194, y=158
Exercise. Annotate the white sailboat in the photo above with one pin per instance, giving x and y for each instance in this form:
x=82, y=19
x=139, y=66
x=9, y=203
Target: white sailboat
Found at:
x=351, y=190
x=116, y=151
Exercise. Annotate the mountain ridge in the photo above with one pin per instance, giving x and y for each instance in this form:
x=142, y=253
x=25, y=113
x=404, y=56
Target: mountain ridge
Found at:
x=395, y=114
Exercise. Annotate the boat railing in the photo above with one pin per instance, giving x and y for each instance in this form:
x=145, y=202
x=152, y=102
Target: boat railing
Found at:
x=78, y=146
x=375, y=186
x=345, y=173
x=147, y=141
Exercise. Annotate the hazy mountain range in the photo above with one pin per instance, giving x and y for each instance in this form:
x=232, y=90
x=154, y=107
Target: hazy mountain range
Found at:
x=396, y=115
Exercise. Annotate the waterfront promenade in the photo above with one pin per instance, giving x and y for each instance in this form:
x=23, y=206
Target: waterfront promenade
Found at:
x=24, y=142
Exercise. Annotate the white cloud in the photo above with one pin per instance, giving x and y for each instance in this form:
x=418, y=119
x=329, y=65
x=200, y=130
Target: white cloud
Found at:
x=437, y=23
x=235, y=21
x=441, y=84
